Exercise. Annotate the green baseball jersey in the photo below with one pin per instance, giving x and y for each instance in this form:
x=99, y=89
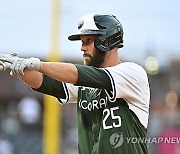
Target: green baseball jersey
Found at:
x=112, y=107
x=111, y=111
x=104, y=126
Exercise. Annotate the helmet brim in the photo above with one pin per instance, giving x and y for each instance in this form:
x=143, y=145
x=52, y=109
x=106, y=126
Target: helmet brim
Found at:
x=77, y=35
x=74, y=37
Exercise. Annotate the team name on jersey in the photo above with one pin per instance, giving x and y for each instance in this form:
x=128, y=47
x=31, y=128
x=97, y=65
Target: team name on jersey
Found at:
x=94, y=104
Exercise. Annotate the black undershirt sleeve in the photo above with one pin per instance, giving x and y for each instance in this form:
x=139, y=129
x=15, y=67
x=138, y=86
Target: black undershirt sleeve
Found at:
x=93, y=77
x=51, y=87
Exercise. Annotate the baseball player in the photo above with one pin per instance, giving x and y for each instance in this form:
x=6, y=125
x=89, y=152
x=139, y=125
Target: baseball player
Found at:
x=112, y=96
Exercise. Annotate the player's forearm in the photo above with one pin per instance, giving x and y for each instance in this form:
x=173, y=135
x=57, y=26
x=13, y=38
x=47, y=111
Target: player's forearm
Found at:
x=64, y=72
x=32, y=78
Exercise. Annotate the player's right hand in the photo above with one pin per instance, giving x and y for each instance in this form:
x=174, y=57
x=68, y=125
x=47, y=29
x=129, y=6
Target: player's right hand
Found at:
x=19, y=65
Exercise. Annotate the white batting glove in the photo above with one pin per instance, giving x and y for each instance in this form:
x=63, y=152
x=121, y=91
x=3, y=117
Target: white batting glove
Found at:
x=6, y=60
x=4, y=66
x=21, y=64
x=18, y=65
x=10, y=58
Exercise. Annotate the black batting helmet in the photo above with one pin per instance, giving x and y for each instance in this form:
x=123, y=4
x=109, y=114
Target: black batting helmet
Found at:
x=108, y=28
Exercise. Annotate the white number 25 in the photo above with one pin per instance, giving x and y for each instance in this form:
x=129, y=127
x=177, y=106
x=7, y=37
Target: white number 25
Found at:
x=115, y=118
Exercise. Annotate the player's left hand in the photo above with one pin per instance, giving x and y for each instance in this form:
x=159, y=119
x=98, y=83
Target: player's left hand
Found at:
x=6, y=60
x=4, y=66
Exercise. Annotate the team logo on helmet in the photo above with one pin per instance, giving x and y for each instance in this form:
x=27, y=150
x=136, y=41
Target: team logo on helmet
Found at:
x=80, y=24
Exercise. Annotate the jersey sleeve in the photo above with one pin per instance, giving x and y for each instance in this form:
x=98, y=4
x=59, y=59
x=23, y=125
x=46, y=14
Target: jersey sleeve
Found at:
x=128, y=81
x=64, y=92
x=71, y=93
x=89, y=76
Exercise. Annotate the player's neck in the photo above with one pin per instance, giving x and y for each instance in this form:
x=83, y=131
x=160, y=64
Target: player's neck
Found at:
x=111, y=59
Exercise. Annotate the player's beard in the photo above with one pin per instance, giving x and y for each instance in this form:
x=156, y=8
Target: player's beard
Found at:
x=97, y=59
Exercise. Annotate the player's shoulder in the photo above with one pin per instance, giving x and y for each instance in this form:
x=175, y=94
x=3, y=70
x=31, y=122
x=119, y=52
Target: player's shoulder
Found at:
x=127, y=66
x=131, y=66
x=128, y=69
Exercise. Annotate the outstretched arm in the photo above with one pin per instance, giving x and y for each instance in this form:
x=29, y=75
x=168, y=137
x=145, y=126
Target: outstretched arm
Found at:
x=64, y=72
x=30, y=70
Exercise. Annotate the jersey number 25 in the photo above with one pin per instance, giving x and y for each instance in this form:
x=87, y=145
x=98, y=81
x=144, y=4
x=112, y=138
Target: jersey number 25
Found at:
x=116, y=120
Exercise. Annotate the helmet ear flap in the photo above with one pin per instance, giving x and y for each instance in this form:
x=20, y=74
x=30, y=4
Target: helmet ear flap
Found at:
x=101, y=44
x=109, y=41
